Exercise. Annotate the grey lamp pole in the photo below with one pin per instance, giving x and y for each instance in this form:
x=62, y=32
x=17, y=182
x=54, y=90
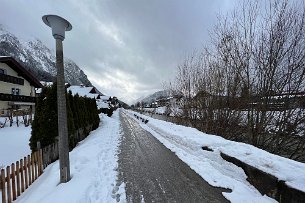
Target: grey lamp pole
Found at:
x=59, y=25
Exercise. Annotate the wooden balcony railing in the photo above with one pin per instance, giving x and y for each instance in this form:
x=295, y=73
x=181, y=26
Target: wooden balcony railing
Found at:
x=16, y=98
x=11, y=79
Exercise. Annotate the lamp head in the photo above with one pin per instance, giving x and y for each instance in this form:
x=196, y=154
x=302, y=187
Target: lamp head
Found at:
x=58, y=24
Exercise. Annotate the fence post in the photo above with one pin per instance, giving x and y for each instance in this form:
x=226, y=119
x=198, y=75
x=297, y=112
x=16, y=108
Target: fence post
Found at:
x=13, y=181
x=32, y=167
x=9, y=191
x=3, y=185
x=18, y=178
x=26, y=173
x=44, y=160
x=35, y=164
x=38, y=158
x=40, y=162
x=28, y=164
x=22, y=176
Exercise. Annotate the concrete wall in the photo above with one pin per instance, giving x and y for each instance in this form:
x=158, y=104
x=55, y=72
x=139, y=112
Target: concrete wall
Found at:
x=265, y=183
x=268, y=184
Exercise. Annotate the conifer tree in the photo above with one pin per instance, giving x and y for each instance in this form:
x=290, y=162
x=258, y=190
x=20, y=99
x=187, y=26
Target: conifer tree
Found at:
x=71, y=126
x=81, y=112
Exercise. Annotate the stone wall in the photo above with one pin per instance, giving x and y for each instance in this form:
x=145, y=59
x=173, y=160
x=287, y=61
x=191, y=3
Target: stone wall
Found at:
x=268, y=184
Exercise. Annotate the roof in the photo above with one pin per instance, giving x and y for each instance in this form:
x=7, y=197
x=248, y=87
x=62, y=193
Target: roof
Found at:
x=83, y=91
x=46, y=84
x=104, y=97
x=38, y=90
x=102, y=105
x=49, y=84
x=12, y=63
x=96, y=91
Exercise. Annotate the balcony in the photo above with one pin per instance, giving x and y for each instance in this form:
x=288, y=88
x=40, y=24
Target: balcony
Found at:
x=17, y=98
x=11, y=79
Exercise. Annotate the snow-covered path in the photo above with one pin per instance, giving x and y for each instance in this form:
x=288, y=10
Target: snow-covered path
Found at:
x=186, y=143
x=93, y=169
x=152, y=173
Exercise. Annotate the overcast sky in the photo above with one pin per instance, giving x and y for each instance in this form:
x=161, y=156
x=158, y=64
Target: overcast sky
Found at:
x=127, y=48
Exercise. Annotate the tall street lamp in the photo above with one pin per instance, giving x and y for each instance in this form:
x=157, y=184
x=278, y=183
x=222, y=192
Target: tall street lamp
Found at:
x=59, y=25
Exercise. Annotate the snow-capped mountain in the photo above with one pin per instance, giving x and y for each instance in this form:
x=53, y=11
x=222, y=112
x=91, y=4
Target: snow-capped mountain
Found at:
x=39, y=59
x=154, y=96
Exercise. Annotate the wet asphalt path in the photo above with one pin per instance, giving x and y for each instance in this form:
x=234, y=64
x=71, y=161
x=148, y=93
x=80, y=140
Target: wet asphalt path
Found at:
x=152, y=173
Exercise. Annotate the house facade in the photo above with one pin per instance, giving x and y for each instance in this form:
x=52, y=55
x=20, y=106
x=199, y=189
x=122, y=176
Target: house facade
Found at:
x=17, y=86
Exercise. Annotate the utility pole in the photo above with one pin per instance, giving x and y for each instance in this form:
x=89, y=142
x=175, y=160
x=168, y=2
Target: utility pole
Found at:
x=59, y=25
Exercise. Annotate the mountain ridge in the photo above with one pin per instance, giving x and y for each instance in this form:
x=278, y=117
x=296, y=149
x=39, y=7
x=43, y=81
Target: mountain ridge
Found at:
x=152, y=97
x=39, y=59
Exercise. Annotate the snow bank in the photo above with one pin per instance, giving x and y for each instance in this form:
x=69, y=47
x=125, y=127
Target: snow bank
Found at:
x=93, y=166
x=187, y=143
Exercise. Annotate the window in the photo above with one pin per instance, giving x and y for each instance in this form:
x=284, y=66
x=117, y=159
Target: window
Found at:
x=15, y=91
x=2, y=71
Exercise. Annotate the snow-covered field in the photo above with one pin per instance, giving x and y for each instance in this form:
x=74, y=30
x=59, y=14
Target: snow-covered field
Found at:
x=93, y=166
x=14, y=143
x=186, y=142
x=173, y=111
x=158, y=110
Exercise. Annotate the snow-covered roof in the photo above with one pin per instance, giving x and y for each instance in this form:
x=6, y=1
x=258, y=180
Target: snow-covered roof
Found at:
x=75, y=89
x=102, y=105
x=104, y=97
x=38, y=90
x=46, y=84
x=82, y=91
x=49, y=84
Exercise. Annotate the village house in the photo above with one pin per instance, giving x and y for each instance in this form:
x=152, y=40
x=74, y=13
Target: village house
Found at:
x=17, y=86
x=167, y=101
x=90, y=92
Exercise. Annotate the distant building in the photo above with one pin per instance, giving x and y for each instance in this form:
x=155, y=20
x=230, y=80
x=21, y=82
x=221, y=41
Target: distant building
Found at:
x=17, y=86
x=167, y=101
x=90, y=92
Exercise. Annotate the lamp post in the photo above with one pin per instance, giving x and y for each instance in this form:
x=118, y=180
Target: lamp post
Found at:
x=59, y=25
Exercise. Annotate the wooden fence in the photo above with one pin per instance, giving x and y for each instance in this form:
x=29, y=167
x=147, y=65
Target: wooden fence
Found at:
x=15, y=179
x=50, y=154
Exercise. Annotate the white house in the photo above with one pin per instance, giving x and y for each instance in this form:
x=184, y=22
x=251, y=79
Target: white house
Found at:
x=17, y=86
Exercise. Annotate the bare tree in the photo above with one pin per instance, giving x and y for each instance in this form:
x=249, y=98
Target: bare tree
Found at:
x=245, y=86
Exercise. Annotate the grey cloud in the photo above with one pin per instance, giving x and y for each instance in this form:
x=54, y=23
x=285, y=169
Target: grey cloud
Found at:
x=127, y=47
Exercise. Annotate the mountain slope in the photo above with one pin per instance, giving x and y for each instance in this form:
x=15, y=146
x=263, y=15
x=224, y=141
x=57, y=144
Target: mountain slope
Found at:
x=39, y=59
x=154, y=96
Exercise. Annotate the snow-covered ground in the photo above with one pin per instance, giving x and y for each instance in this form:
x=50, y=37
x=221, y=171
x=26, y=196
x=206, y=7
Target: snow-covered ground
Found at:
x=93, y=166
x=14, y=143
x=186, y=142
x=173, y=111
